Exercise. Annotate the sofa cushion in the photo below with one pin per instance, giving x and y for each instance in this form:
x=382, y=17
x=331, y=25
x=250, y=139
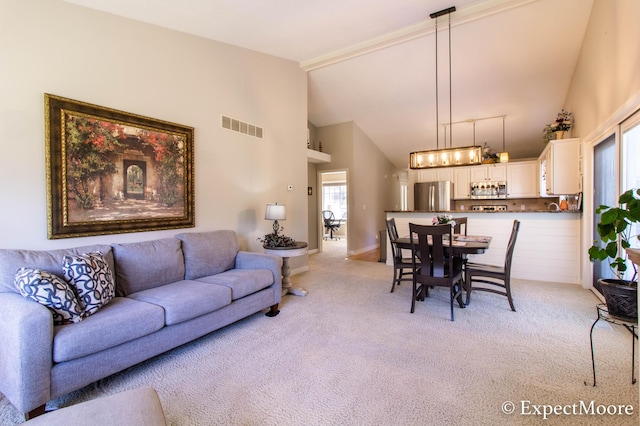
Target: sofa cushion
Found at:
x=148, y=264
x=122, y=320
x=51, y=291
x=185, y=300
x=47, y=260
x=208, y=253
x=92, y=278
x=242, y=282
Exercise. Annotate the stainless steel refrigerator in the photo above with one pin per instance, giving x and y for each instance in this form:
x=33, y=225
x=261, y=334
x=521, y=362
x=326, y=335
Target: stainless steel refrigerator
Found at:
x=433, y=196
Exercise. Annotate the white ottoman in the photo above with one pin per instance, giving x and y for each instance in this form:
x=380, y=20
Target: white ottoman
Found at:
x=139, y=407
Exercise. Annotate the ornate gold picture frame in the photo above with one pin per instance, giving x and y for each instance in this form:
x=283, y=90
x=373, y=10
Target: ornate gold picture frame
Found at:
x=111, y=172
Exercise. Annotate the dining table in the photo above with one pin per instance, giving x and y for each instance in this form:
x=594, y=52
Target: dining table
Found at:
x=462, y=244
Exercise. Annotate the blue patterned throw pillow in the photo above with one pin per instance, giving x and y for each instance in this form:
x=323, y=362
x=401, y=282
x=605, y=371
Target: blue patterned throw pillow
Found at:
x=51, y=291
x=92, y=278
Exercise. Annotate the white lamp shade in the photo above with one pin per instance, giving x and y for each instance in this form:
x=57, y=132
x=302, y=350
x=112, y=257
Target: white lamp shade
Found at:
x=275, y=212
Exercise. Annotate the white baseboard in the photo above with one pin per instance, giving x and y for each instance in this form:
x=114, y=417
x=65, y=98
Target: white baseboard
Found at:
x=366, y=249
x=299, y=270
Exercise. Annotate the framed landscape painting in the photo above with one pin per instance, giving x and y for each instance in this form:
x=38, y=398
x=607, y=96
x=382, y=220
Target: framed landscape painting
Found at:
x=112, y=172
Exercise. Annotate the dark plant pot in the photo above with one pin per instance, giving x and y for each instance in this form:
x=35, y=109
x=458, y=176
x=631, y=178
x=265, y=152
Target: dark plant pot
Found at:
x=621, y=297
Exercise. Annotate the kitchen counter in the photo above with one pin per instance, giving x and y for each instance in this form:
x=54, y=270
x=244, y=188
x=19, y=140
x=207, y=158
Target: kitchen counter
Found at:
x=459, y=212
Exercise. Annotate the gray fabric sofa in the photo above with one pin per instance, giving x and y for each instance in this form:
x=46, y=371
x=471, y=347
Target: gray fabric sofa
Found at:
x=168, y=292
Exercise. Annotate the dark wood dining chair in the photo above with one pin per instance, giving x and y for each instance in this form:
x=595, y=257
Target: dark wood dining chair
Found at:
x=461, y=225
x=434, y=267
x=402, y=266
x=491, y=278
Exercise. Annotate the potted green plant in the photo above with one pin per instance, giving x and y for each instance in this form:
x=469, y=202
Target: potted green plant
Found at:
x=615, y=231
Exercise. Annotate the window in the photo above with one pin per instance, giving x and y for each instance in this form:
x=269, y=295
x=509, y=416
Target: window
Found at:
x=403, y=196
x=604, y=192
x=334, y=198
x=630, y=154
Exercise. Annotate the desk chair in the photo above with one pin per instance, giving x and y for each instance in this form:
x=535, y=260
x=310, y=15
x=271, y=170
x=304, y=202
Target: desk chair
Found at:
x=330, y=224
x=402, y=266
x=493, y=279
x=433, y=267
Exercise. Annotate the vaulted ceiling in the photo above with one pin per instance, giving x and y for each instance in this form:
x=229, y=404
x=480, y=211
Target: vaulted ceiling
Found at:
x=373, y=62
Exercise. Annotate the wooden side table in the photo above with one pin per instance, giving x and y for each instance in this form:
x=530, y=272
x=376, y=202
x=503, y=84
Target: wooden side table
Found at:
x=285, y=253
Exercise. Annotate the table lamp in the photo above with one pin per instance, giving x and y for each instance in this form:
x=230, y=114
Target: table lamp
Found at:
x=275, y=212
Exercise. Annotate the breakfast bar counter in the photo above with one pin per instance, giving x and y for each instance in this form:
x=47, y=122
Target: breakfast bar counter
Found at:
x=548, y=246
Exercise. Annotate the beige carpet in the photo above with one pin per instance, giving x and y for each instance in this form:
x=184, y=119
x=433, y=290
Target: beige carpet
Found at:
x=350, y=353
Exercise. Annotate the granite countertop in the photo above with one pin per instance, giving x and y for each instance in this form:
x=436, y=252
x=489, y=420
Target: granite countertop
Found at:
x=485, y=212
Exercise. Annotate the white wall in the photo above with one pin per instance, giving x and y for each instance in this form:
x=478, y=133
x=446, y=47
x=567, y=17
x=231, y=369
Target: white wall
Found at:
x=49, y=46
x=372, y=187
x=607, y=74
x=377, y=190
x=605, y=89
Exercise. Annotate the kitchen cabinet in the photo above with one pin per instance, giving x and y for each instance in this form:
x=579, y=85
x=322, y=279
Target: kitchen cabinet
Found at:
x=560, y=168
x=435, y=175
x=522, y=179
x=461, y=183
x=489, y=173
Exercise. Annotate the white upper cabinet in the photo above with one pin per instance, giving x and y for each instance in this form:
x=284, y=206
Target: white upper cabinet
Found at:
x=435, y=175
x=461, y=183
x=489, y=172
x=444, y=174
x=560, y=168
x=522, y=179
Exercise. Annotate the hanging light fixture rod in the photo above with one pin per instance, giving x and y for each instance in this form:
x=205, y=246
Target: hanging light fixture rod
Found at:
x=435, y=16
x=443, y=12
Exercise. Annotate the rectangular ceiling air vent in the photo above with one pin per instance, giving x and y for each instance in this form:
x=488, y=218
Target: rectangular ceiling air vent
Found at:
x=241, y=127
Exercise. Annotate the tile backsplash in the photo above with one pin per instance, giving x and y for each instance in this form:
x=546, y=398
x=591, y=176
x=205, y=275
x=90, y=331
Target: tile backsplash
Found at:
x=513, y=204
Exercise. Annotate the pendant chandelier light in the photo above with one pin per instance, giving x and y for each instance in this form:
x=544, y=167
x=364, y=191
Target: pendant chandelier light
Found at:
x=445, y=157
x=504, y=155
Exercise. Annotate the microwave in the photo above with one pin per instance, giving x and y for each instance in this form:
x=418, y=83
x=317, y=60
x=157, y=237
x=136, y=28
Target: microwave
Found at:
x=488, y=190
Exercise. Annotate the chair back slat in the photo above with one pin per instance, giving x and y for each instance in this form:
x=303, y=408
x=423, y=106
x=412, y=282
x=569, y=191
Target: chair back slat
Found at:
x=392, y=231
x=511, y=247
x=460, y=226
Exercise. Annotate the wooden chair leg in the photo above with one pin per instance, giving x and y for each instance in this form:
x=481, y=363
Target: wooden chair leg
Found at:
x=413, y=298
x=507, y=287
